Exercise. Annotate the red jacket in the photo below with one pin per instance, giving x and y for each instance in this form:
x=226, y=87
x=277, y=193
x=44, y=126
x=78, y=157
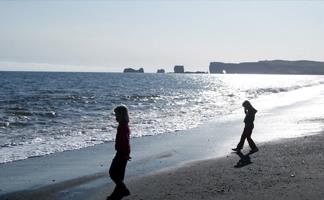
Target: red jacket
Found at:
x=122, y=139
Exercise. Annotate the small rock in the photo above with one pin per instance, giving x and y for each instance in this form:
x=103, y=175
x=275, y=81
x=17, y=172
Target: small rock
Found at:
x=292, y=175
x=222, y=190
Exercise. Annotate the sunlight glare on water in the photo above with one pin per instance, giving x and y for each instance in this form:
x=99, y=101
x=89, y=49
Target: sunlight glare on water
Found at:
x=42, y=113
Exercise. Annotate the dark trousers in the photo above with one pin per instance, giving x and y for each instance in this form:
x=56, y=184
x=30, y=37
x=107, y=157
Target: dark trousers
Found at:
x=117, y=173
x=247, y=132
x=117, y=168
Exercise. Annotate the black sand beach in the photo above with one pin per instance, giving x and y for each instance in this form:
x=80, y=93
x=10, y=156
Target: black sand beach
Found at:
x=191, y=164
x=286, y=169
x=289, y=169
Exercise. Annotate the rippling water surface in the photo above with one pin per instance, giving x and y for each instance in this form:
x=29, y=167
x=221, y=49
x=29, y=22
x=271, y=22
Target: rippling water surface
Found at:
x=42, y=113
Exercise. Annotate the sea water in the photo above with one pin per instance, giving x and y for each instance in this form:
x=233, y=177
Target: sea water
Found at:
x=43, y=113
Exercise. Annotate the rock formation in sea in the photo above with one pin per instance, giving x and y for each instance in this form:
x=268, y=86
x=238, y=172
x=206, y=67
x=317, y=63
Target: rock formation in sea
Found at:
x=179, y=69
x=131, y=70
x=162, y=71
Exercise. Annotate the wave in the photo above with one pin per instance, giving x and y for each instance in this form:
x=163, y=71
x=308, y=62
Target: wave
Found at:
x=26, y=113
x=19, y=112
x=18, y=102
x=71, y=114
x=138, y=97
x=272, y=90
x=75, y=97
x=260, y=91
x=4, y=124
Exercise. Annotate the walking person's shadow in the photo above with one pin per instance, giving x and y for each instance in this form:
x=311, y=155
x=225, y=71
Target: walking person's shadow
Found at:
x=244, y=159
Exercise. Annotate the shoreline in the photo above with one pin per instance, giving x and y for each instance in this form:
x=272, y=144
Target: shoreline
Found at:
x=289, y=168
x=149, y=154
x=81, y=173
x=286, y=169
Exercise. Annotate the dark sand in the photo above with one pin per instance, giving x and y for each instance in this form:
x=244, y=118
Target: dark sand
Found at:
x=282, y=169
x=286, y=169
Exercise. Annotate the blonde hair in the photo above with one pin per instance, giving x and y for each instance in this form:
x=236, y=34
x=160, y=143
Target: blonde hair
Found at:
x=122, y=110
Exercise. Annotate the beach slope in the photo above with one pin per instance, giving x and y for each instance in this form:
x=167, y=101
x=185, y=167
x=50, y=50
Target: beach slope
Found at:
x=287, y=169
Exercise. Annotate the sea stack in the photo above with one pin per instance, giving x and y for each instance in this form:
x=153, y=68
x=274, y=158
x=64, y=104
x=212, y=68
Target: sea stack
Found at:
x=179, y=69
x=131, y=70
x=162, y=71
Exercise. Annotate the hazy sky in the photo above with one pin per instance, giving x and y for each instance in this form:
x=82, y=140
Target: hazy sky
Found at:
x=111, y=35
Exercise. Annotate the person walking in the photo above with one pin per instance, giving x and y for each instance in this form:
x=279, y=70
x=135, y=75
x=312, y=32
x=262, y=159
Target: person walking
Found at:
x=250, y=112
x=122, y=147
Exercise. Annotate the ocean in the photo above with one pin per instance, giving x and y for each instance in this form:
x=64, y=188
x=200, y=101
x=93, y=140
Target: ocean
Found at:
x=46, y=112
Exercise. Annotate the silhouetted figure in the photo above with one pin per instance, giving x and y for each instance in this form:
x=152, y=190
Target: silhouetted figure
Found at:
x=248, y=128
x=122, y=146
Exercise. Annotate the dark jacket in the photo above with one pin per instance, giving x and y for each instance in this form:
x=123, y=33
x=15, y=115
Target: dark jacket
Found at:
x=249, y=117
x=122, y=145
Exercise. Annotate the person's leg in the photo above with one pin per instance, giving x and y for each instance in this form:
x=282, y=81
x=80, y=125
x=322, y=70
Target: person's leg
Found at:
x=251, y=143
x=121, y=189
x=249, y=139
x=117, y=174
x=113, y=173
x=242, y=140
x=113, y=170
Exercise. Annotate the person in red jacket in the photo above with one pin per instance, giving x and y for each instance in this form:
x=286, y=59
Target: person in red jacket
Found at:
x=122, y=147
x=250, y=112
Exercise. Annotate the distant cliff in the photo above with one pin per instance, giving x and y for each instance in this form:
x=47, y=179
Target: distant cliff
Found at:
x=131, y=70
x=268, y=67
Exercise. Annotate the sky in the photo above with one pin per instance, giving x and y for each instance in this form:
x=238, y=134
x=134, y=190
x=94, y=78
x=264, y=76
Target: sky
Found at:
x=108, y=36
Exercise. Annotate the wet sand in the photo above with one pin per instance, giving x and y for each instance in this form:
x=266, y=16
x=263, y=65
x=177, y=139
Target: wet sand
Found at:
x=162, y=166
x=286, y=169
